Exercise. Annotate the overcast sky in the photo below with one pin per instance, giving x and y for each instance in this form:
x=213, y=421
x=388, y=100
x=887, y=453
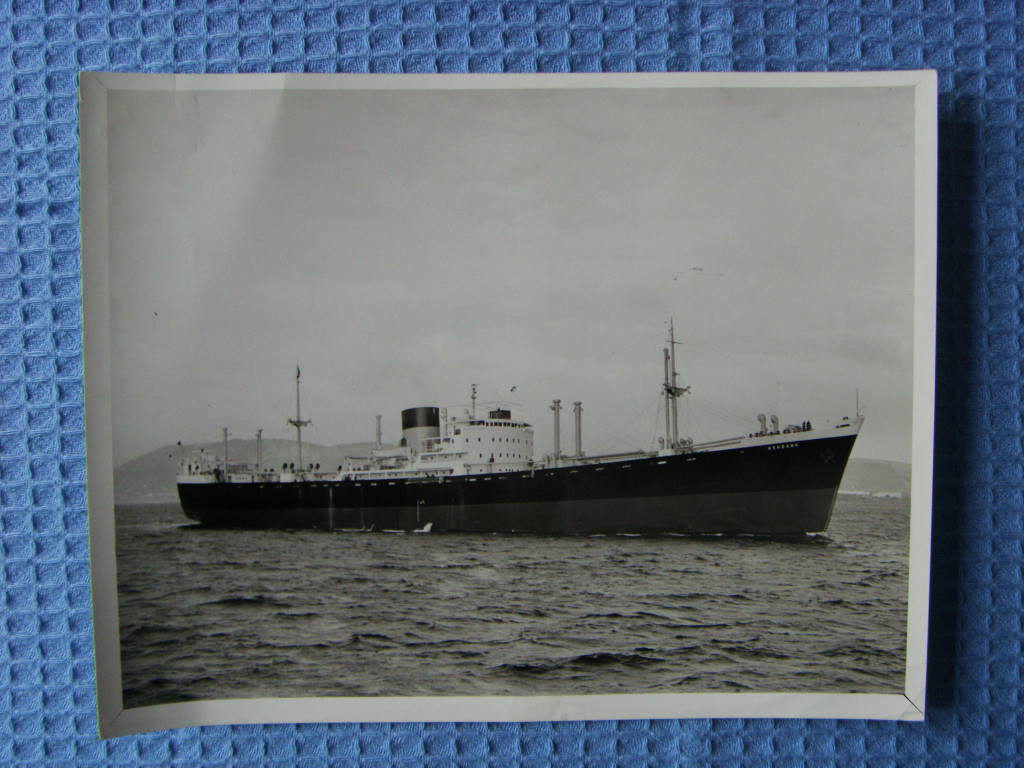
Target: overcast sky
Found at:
x=401, y=245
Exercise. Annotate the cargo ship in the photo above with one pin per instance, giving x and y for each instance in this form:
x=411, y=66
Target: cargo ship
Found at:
x=473, y=470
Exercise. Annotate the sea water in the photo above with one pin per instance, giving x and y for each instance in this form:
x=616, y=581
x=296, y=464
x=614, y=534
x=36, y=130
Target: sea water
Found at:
x=209, y=613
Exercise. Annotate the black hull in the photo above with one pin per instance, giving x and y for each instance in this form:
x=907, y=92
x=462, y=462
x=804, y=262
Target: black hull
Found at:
x=781, y=489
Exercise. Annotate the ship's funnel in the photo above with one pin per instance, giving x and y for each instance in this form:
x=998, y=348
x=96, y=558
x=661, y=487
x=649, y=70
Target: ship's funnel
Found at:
x=418, y=424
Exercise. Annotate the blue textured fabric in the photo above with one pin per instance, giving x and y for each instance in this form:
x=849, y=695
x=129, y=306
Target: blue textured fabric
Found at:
x=46, y=673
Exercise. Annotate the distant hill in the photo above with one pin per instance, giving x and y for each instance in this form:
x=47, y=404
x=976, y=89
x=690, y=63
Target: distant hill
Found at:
x=150, y=478
x=876, y=477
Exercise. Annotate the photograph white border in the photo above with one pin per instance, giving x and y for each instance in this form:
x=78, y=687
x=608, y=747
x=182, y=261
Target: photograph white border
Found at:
x=115, y=720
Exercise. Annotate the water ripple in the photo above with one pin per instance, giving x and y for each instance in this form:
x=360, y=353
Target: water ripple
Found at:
x=225, y=614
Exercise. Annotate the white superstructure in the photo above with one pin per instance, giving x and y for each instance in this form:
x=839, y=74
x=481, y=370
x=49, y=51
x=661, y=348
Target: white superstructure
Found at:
x=459, y=445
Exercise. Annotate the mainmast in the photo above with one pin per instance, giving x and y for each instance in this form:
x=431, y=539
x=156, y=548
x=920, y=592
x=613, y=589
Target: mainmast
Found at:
x=298, y=421
x=666, y=388
x=672, y=390
x=675, y=388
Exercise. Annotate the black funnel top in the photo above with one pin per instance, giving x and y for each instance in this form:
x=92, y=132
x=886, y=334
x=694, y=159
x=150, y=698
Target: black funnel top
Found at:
x=425, y=416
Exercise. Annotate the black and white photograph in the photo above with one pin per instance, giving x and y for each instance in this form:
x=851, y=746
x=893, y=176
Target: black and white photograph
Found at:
x=524, y=392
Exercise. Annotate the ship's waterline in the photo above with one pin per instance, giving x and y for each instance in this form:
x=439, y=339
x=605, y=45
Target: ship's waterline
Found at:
x=766, y=513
